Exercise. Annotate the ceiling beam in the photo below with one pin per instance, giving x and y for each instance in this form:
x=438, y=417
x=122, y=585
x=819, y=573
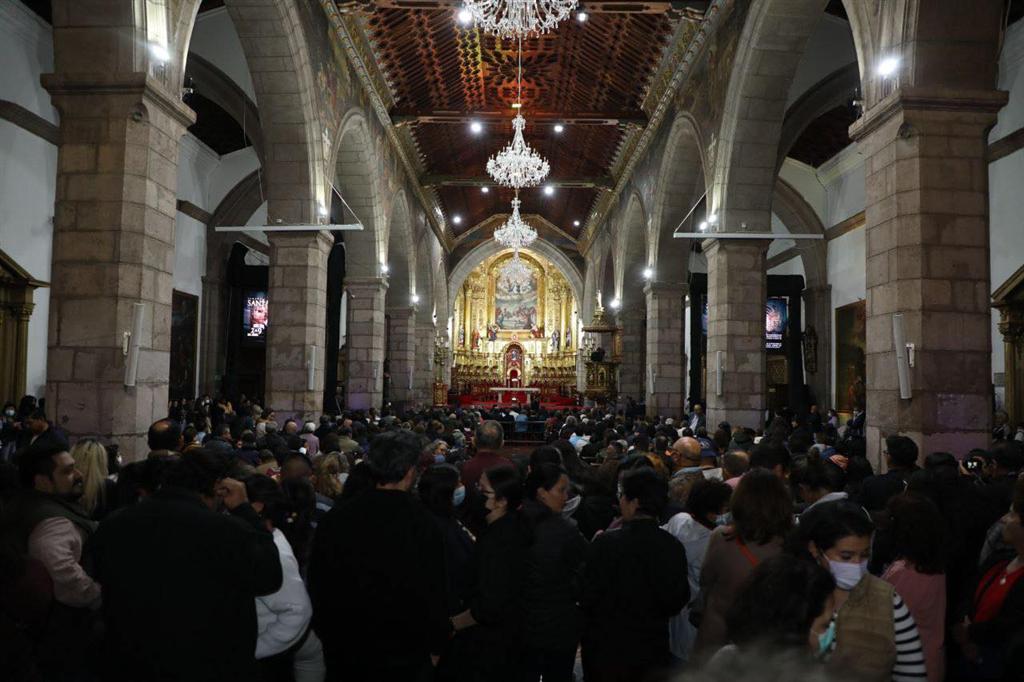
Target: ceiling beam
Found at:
x=634, y=117
x=431, y=180
x=592, y=6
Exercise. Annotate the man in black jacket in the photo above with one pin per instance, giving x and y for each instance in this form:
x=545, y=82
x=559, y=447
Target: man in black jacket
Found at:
x=180, y=580
x=901, y=463
x=634, y=581
x=377, y=575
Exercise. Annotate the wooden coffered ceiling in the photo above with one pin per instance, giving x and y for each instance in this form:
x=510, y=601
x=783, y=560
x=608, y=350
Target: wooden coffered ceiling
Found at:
x=590, y=77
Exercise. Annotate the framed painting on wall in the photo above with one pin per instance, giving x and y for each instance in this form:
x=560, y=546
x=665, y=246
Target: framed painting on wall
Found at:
x=184, y=327
x=851, y=341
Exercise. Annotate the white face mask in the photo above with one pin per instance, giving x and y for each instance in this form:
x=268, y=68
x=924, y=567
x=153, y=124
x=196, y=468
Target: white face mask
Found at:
x=9, y=413
x=571, y=505
x=342, y=477
x=847, y=575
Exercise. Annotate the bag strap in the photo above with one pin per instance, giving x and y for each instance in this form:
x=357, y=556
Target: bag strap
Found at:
x=754, y=561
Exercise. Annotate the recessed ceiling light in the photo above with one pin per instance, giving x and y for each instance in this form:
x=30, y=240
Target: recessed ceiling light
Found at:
x=888, y=66
x=415, y=298
x=160, y=52
x=559, y=127
x=465, y=17
x=575, y=223
x=457, y=219
x=648, y=273
x=476, y=127
x=582, y=16
x=549, y=190
x=485, y=190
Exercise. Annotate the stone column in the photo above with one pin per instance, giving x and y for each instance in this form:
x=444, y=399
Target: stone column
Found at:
x=298, y=314
x=928, y=258
x=632, y=369
x=665, y=369
x=818, y=305
x=212, y=331
x=402, y=355
x=365, y=341
x=113, y=247
x=737, y=291
x=423, y=372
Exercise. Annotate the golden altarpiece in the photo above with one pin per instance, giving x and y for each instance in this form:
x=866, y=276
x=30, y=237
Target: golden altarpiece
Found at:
x=515, y=336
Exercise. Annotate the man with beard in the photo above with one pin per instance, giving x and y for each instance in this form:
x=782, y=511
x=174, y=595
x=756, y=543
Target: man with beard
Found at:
x=45, y=524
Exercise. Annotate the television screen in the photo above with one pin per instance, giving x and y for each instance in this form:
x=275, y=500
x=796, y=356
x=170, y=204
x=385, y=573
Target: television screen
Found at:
x=255, y=316
x=776, y=314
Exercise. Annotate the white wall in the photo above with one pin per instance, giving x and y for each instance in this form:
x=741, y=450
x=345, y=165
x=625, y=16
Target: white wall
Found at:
x=28, y=169
x=842, y=176
x=829, y=48
x=215, y=39
x=1006, y=178
x=196, y=164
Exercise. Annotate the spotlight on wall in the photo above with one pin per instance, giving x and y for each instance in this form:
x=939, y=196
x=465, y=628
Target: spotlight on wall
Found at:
x=384, y=268
x=415, y=298
x=648, y=273
x=888, y=66
x=464, y=16
x=559, y=128
x=160, y=52
x=703, y=227
x=615, y=304
x=485, y=190
x=549, y=190
x=476, y=127
x=713, y=219
x=575, y=223
x=321, y=209
x=457, y=219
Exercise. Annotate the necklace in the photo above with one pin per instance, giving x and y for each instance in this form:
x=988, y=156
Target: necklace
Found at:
x=1011, y=567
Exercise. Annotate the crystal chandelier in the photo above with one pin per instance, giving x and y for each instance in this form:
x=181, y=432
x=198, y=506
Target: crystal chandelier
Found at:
x=517, y=165
x=516, y=273
x=515, y=234
x=516, y=18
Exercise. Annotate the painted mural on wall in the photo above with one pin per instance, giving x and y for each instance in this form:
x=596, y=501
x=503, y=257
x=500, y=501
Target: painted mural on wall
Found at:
x=851, y=343
x=515, y=306
x=333, y=86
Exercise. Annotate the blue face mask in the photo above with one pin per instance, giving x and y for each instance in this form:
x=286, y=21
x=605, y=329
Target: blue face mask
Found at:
x=459, y=496
x=826, y=639
x=439, y=459
x=723, y=519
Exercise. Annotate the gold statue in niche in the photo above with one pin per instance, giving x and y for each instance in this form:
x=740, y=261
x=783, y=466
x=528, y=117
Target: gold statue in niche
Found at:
x=515, y=335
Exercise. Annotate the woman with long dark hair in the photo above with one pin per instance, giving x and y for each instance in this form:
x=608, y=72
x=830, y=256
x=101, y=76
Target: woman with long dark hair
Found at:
x=552, y=620
x=488, y=631
x=876, y=636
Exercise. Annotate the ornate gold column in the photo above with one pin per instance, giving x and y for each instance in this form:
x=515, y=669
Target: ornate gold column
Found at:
x=1011, y=326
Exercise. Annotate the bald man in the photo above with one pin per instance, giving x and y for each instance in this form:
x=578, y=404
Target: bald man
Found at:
x=685, y=455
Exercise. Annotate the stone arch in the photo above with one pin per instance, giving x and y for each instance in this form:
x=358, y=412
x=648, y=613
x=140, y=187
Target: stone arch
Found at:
x=631, y=243
x=278, y=57
x=357, y=181
x=490, y=247
x=683, y=175
x=400, y=258
x=774, y=36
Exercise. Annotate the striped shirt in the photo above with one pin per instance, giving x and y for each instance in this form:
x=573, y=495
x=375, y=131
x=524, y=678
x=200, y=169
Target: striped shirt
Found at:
x=909, y=665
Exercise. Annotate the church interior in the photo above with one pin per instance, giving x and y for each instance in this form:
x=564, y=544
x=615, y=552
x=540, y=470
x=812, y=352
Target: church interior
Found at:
x=317, y=203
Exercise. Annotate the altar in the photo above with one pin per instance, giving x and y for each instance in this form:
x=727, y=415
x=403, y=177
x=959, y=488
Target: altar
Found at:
x=503, y=390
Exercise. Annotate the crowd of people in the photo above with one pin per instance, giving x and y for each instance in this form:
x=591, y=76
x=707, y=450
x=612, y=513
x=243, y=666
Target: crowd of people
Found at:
x=418, y=547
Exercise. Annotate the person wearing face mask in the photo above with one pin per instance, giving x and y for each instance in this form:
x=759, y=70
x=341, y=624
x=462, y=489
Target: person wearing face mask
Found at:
x=876, y=636
x=705, y=510
x=488, y=629
x=443, y=495
x=782, y=614
x=45, y=522
x=550, y=578
x=9, y=427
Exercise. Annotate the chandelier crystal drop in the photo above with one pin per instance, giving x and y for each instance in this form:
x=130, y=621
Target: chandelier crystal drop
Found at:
x=515, y=273
x=518, y=18
x=518, y=165
x=515, y=234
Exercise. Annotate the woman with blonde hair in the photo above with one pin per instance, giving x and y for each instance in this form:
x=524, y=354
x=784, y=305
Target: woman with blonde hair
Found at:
x=91, y=459
x=329, y=474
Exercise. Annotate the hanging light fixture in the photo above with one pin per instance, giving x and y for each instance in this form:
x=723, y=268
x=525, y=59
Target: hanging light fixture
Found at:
x=517, y=18
x=518, y=165
x=515, y=273
x=515, y=233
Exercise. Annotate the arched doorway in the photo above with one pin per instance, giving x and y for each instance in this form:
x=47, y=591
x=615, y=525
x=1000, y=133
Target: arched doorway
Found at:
x=514, y=365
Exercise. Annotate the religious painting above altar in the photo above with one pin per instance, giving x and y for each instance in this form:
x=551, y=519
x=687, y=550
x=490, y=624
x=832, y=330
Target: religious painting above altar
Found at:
x=515, y=305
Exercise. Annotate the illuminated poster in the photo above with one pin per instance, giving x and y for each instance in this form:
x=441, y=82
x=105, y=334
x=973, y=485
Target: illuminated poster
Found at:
x=255, y=316
x=515, y=305
x=776, y=319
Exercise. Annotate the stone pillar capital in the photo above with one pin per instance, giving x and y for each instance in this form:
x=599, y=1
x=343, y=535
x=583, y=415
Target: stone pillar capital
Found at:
x=402, y=312
x=366, y=286
x=908, y=102
x=81, y=93
x=320, y=239
x=710, y=246
x=676, y=289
